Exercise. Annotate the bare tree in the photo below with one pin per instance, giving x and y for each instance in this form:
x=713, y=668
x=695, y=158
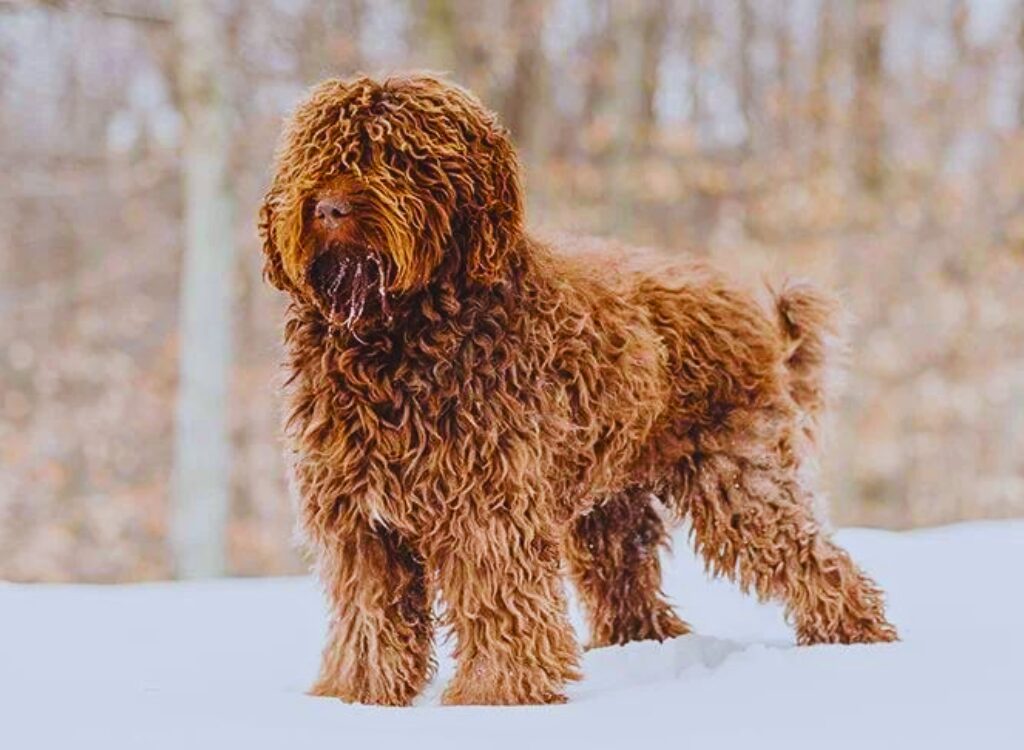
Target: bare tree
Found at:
x=868, y=117
x=698, y=31
x=202, y=450
x=1020, y=49
x=599, y=58
x=519, y=109
x=653, y=26
x=639, y=34
x=439, y=34
x=625, y=104
x=784, y=73
x=825, y=66
x=745, y=83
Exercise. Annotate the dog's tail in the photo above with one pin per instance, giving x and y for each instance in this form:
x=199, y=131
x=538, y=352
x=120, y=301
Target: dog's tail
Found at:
x=810, y=324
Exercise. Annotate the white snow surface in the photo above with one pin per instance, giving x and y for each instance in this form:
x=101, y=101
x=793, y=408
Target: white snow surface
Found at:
x=224, y=664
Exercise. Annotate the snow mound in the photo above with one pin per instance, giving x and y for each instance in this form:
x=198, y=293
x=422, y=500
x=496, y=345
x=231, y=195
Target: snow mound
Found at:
x=225, y=664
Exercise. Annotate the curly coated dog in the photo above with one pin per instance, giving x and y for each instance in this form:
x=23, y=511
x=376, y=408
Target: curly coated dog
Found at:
x=474, y=411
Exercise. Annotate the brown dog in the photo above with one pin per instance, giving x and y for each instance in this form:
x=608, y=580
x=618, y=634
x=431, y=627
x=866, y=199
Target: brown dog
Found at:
x=470, y=410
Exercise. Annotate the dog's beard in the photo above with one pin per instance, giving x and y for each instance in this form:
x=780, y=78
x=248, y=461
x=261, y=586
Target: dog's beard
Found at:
x=351, y=285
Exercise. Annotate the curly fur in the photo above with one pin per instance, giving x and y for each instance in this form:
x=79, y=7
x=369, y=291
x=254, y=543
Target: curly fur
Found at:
x=492, y=411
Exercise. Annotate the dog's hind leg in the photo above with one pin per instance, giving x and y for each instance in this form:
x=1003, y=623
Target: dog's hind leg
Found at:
x=752, y=520
x=379, y=646
x=612, y=553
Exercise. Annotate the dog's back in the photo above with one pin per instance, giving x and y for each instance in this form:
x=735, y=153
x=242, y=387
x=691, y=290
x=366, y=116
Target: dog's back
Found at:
x=721, y=339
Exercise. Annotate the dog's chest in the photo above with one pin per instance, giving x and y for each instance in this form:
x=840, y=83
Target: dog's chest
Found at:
x=391, y=439
x=402, y=429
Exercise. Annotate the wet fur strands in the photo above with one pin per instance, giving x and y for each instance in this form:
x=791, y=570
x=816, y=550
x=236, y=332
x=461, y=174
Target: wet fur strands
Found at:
x=475, y=413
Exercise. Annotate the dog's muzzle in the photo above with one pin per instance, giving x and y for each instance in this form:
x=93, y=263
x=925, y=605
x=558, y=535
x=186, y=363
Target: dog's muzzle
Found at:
x=350, y=283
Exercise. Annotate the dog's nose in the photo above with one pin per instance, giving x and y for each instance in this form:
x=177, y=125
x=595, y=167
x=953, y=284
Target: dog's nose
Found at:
x=332, y=210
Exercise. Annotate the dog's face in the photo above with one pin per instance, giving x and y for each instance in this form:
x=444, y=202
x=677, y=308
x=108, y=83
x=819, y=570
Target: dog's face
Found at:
x=378, y=185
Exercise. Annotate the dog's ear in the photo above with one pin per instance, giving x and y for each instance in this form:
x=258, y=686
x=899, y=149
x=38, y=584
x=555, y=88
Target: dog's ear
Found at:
x=493, y=222
x=273, y=271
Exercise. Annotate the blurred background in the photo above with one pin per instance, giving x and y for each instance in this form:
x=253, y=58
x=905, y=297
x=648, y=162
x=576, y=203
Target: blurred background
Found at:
x=874, y=145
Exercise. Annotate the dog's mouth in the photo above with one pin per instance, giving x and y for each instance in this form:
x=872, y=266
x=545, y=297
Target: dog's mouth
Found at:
x=350, y=283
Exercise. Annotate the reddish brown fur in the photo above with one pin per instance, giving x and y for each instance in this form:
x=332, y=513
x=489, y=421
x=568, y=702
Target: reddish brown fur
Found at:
x=518, y=408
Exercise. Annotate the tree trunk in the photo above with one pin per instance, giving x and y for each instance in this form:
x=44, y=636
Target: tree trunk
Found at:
x=825, y=59
x=438, y=34
x=1020, y=49
x=868, y=116
x=784, y=75
x=745, y=83
x=695, y=41
x=202, y=442
x=526, y=23
x=599, y=61
x=626, y=21
x=638, y=49
x=654, y=24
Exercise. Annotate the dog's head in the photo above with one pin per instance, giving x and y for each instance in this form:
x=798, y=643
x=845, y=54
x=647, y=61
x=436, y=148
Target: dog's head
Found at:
x=379, y=184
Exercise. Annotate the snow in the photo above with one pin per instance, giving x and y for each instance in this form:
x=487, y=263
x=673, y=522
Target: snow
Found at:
x=225, y=663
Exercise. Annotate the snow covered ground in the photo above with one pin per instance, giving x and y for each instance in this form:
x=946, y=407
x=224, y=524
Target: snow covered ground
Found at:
x=224, y=664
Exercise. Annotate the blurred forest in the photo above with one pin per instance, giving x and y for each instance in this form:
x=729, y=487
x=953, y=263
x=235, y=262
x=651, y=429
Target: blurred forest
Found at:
x=874, y=145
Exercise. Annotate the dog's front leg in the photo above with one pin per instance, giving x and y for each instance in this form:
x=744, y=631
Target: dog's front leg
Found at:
x=379, y=645
x=504, y=599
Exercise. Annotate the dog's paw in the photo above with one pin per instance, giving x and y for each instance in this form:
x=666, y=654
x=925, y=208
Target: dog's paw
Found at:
x=395, y=695
x=860, y=631
x=515, y=685
x=471, y=695
x=660, y=626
